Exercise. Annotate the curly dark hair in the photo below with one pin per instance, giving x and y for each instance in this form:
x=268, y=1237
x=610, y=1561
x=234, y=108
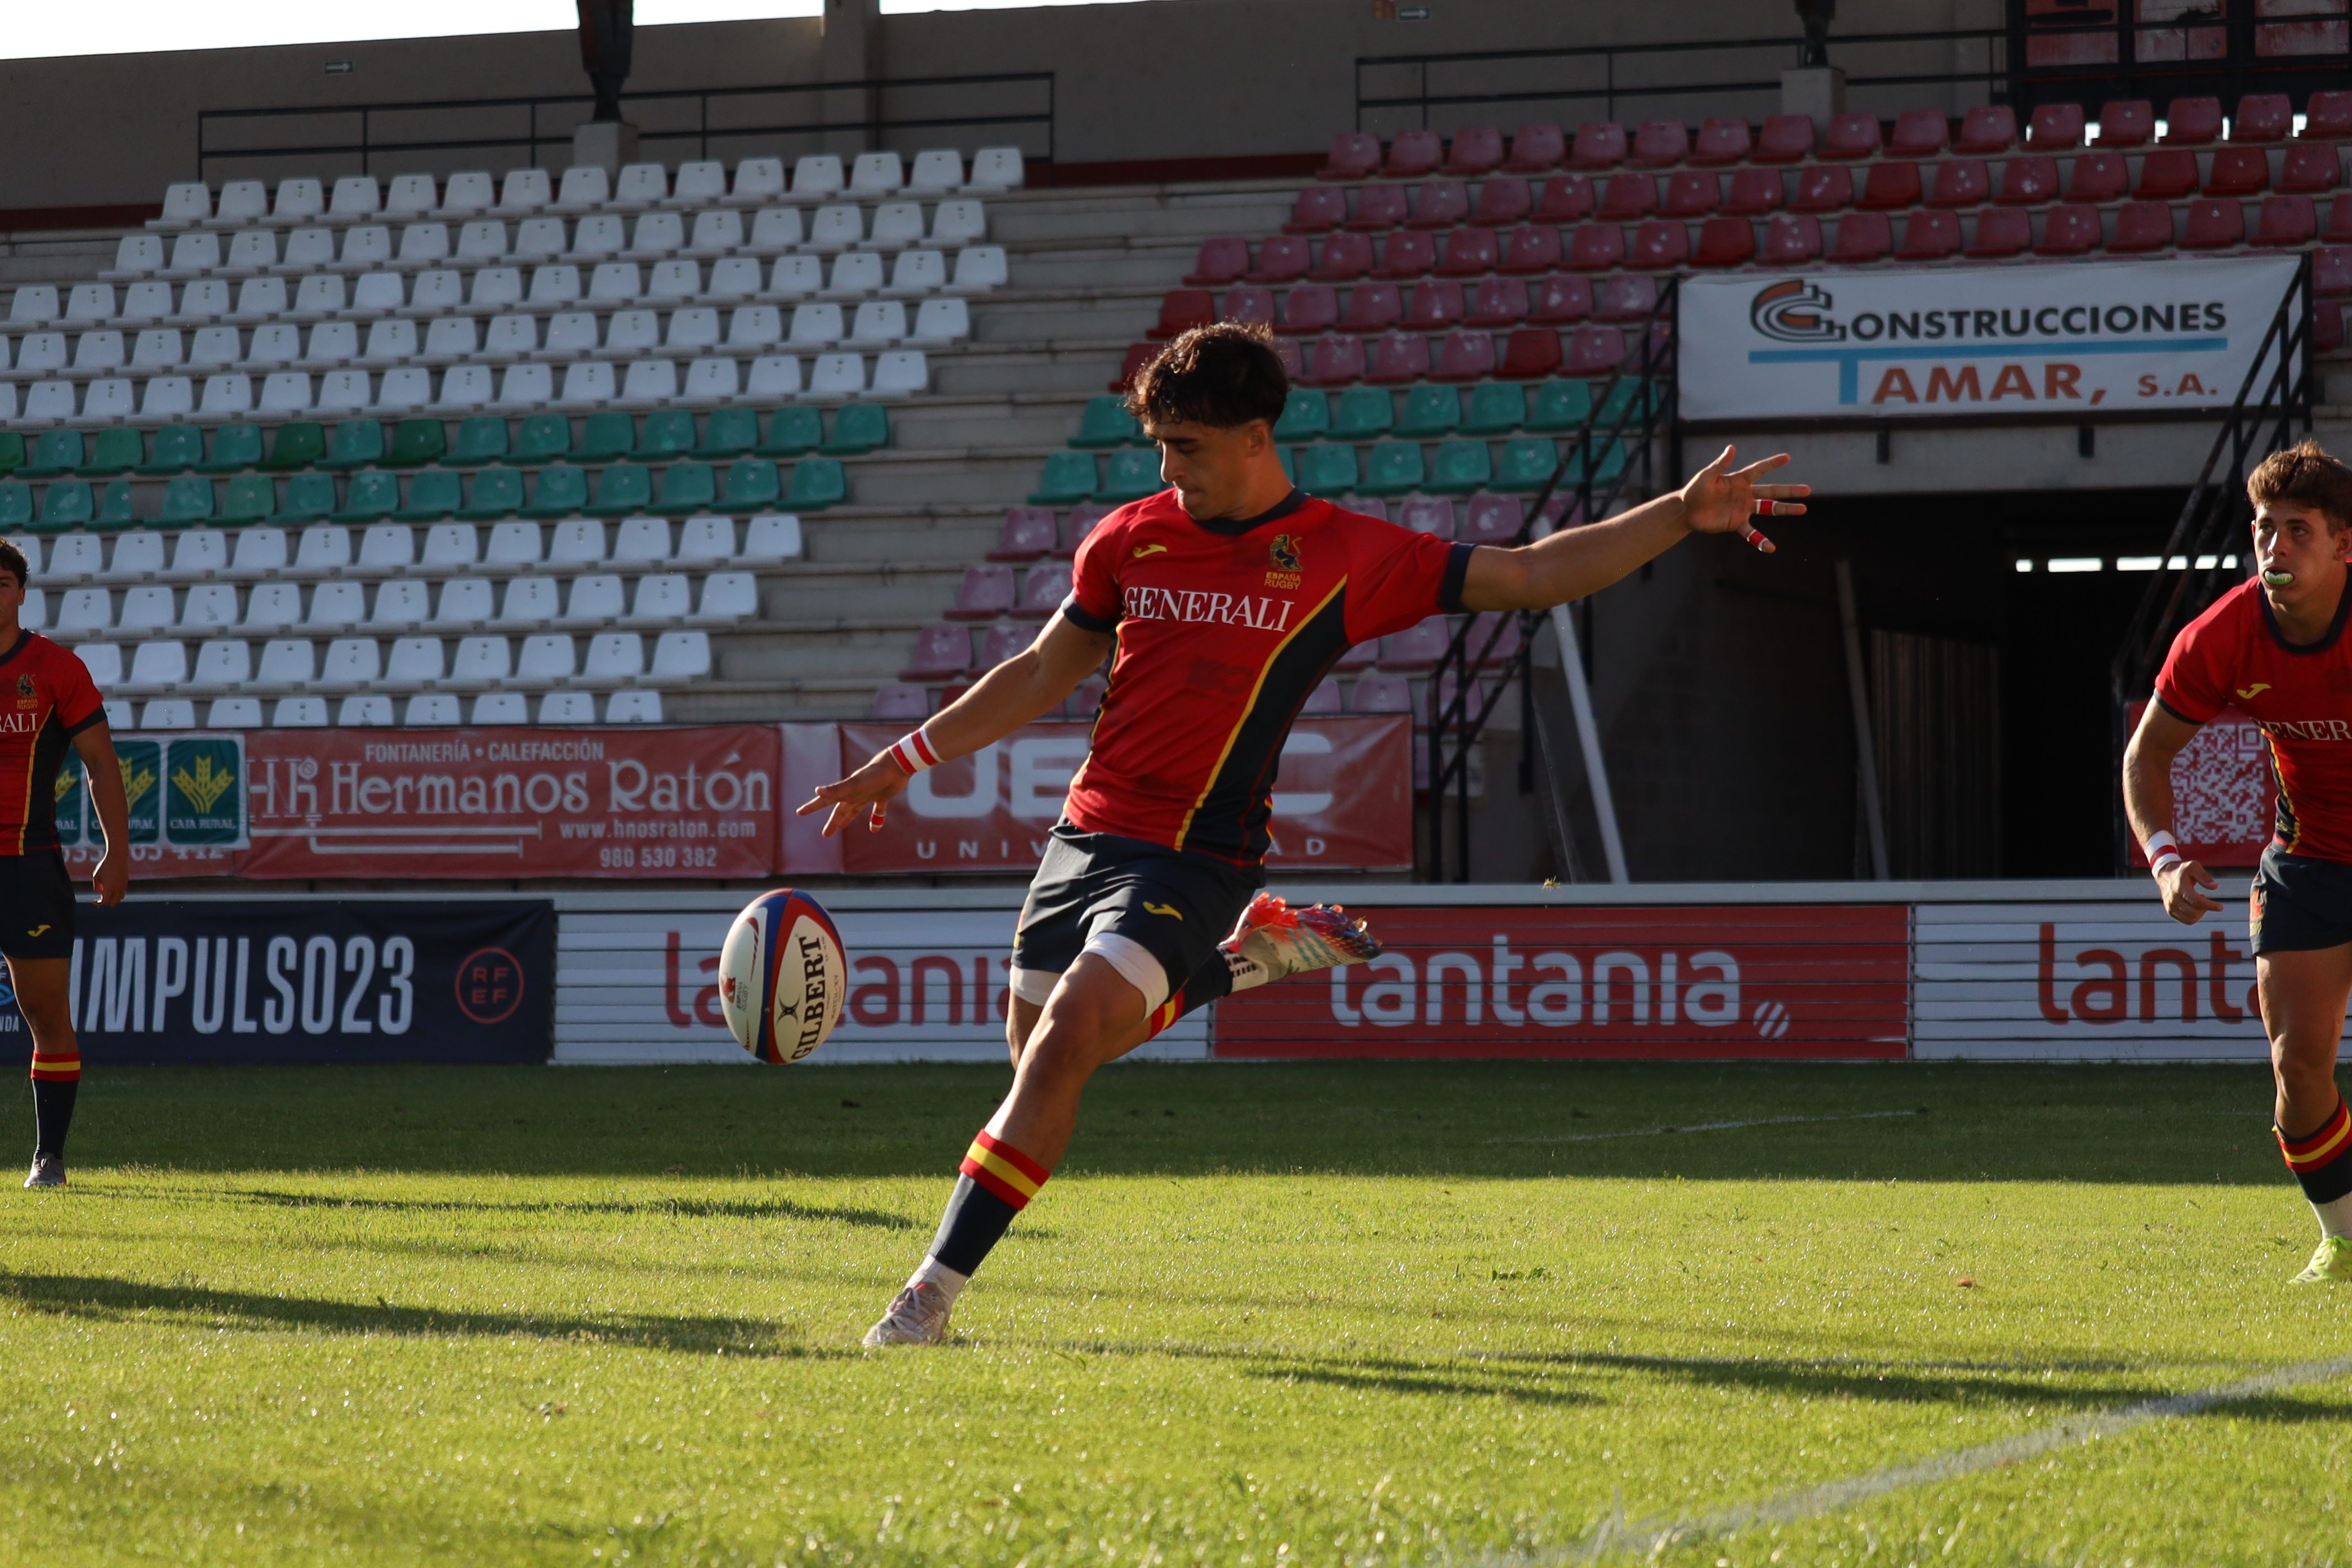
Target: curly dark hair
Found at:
x=1223, y=375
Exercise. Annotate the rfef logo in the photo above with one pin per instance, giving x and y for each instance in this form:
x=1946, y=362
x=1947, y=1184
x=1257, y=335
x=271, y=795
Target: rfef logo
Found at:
x=489, y=985
x=1794, y=311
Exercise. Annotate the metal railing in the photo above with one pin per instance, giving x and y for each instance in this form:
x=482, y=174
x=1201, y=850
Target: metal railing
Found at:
x=696, y=116
x=1612, y=452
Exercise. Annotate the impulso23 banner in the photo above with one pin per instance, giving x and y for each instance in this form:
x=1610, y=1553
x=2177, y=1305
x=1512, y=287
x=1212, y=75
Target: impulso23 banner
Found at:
x=2055, y=339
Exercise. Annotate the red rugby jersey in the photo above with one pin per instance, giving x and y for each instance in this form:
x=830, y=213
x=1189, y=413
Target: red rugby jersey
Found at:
x=2232, y=656
x=1224, y=629
x=46, y=698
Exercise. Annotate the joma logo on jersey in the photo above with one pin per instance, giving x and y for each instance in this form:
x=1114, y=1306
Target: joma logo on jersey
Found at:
x=1143, y=603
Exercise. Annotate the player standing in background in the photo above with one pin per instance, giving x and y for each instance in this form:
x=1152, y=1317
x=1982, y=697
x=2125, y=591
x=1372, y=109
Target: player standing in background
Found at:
x=1226, y=598
x=48, y=701
x=2274, y=648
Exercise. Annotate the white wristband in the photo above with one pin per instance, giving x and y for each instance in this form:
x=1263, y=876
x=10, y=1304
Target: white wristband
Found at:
x=913, y=754
x=2162, y=850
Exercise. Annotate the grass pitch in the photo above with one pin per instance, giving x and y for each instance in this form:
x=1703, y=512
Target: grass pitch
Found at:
x=1265, y=1315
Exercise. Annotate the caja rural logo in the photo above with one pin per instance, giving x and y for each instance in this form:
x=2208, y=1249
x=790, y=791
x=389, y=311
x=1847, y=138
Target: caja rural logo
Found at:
x=1794, y=311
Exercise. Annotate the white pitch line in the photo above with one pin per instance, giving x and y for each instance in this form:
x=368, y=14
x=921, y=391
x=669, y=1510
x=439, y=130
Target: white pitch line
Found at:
x=1702, y=1127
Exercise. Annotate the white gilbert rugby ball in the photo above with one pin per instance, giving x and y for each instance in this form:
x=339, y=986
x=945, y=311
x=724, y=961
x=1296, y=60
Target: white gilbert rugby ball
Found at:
x=781, y=977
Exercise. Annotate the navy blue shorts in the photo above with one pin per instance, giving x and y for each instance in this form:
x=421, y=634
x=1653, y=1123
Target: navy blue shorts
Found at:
x=36, y=906
x=1176, y=908
x=2299, y=904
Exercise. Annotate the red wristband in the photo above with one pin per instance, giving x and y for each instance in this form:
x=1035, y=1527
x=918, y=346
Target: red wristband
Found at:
x=912, y=752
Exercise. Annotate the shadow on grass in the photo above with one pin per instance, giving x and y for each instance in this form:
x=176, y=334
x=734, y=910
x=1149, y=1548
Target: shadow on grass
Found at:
x=650, y=1208
x=101, y=1299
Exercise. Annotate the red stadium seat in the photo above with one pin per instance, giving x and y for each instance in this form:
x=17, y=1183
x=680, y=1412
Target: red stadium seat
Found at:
x=1439, y=203
x=2167, y=175
x=1560, y=300
x=2054, y=128
x=1850, y=136
x=1594, y=350
x=1318, y=210
x=1222, y=260
x=2263, y=117
x=985, y=594
x=1363, y=655
x=1530, y=248
x=2238, y=171
x=1792, y=240
x=1282, y=258
x=1379, y=208
x=1693, y=193
x=1248, y=304
x=1028, y=534
x=1919, y=133
x=2327, y=328
x=1334, y=361
x=1138, y=356
x=1661, y=145
x=1042, y=591
x=1003, y=641
x=2069, y=229
x=1433, y=305
x=2192, y=122
x=1986, y=130
x=1503, y=201
x=1537, y=148
x=1293, y=358
x=1406, y=253
x=1600, y=144
x=2286, y=221
x=1417, y=648
x=2310, y=168
x=1475, y=150
x=1660, y=244
x=2339, y=221
x=1399, y=358
x=1597, y=247
x=900, y=703
x=1961, y=183
x=1890, y=187
x=1372, y=308
x=2213, y=225
x=2001, y=231
x=1530, y=353
x=1930, y=236
x=1470, y=252
x=1494, y=520
x=942, y=651
x=1345, y=257
x=1355, y=155
x=2028, y=182
x=1754, y=193
x=1181, y=310
x=1628, y=297
x=2098, y=177
x=1564, y=199
x=1862, y=236
x=1725, y=242
x=1720, y=142
x=1309, y=308
x=1822, y=189
x=2328, y=117
x=2127, y=123
x=2142, y=227
x=1627, y=198
x=1380, y=694
x=1465, y=355
x=1413, y=154
x=1432, y=515
x=1787, y=139
x=1496, y=302
x=2331, y=272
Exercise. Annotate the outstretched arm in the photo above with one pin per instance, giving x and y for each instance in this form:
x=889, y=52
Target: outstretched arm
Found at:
x=2148, y=804
x=1576, y=562
x=1029, y=685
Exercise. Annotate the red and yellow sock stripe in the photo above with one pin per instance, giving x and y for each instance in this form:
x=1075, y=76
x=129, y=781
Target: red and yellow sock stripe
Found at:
x=56, y=1068
x=1004, y=1170
x=2332, y=1140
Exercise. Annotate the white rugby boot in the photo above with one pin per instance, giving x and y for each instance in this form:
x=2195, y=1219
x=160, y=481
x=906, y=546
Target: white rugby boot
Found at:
x=918, y=1317
x=1283, y=941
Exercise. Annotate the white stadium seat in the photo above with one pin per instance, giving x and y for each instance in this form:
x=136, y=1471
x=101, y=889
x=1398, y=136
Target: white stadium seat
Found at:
x=242, y=201
x=944, y=319
x=771, y=536
x=187, y=202
x=896, y=225
x=716, y=232
x=700, y=181
x=633, y=708
x=681, y=656
x=409, y=195
x=436, y=292
x=879, y=321
x=585, y=187
x=451, y=547
x=546, y=658
x=514, y=546
x=614, y=658
x=758, y=180
x=468, y=192
x=855, y=274
x=917, y=272
x=157, y=666
x=273, y=607
x=136, y=255
x=567, y=707
x=501, y=707
x=876, y=175
x=995, y=169
x=836, y=227
x=774, y=230
x=704, y=538
x=815, y=176
x=599, y=238
x=978, y=269
x=224, y=663
x=431, y=708
x=525, y=191
x=727, y=598
x=640, y=185
x=479, y=661
x=168, y=713
x=837, y=377
x=593, y=600
x=641, y=542
x=299, y=200
x=261, y=552
x=363, y=710
x=577, y=542
x=937, y=170
x=287, y=663
x=149, y=607
x=104, y=662
x=300, y=713
x=464, y=602
x=662, y=599
x=233, y=713
x=737, y=277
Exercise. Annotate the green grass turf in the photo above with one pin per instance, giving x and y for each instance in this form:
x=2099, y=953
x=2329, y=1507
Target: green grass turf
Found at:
x=1265, y=1315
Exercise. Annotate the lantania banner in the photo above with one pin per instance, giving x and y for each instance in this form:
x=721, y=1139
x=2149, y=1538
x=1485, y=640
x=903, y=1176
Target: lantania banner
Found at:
x=2058, y=342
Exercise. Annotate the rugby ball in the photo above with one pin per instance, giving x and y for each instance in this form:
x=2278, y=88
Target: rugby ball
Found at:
x=781, y=977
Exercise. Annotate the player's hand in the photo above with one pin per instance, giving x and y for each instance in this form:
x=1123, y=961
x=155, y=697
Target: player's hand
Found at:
x=112, y=880
x=2182, y=883
x=1720, y=499
x=870, y=790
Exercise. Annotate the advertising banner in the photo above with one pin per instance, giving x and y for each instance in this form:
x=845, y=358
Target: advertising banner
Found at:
x=1655, y=982
x=186, y=795
x=2221, y=793
x=2058, y=342
x=312, y=980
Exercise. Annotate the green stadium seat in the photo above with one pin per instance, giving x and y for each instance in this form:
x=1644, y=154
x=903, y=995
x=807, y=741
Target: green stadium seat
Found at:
x=15, y=504
x=55, y=452
x=1624, y=401
x=559, y=491
x=66, y=504
x=432, y=494
x=727, y=433
x=1606, y=471
x=752, y=484
x=687, y=487
x=1305, y=417
x=858, y=427
x=1527, y=464
x=1496, y=409
x=818, y=483
x=1391, y=469
x=1560, y=405
x=308, y=498
x=357, y=444
x=177, y=449
x=1069, y=478
x=543, y=439
x=297, y=444
x=118, y=450
x=371, y=497
x=668, y=433
x=622, y=489
x=1461, y=467
x=606, y=436
x=792, y=432
x=1130, y=475
x=1328, y=468
x=1430, y=411
x=248, y=498
x=1365, y=414
x=416, y=442
x=235, y=448
x=480, y=440
x=12, y=451
x=494, y=493
x=1107, y=423
x=114, y=506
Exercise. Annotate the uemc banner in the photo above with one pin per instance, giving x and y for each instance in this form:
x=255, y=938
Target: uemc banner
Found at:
x=2057, y=340
x=313, y=980
x=1692, y=982
x=2221, y=792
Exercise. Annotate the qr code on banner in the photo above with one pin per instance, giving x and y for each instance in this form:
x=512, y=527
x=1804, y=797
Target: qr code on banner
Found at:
x=2222, y=793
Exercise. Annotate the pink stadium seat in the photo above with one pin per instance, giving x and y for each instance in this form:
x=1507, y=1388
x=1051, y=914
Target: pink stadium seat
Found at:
x=1537, y=148
x=1465, y=355
x=1181, y=310
x=1823, y=189
x=1564, y=199
x=2339, y=221
x=1850, y=136
x=2028, y=182
x=1661, y=145
x=2328, y=117
x=900, y=702
x=1363, y=655
x=1600, y=144
x=1293, y=358
x=1433, y=515
x=1721, y=142
x=2167, y=175
x=2286, y=221
x=1003, y=641
x=1355, y=155
x=2310, y=168
x=1469, y=252
x=1075, y=528
x=1930, y=236
x=1399, y=358
x=1380, y=694
x=1494, y=520
x=1372, y=308
x=1627, y=198
x=942, y=651
x=2127, y=123
x=2327, y=328
x=1919, y=133
x=1379, y=208
x=2213, y=225
x=1659, y=244
x=1560, y=300
x=1417, y=648
x=1138, y=356
x=2142, y=227
x=1248, y=303
x=1530, y=248
x=1028, y=534
x=1503, y=200
x=2001, y=231
x=2263, y=117
x=1406, y=253
x=1986, y=130
x=1961, y=183
x=1787, y=139
x=1725, y=242
x=1222, y=260
x=2055, y=128
x=1496, y=302
x=1475, y=150
x=2069, y=229
x=985, y=594
x=1627, y=296
x=1438, y=204
x=1530, y=353
x=1344, y=257
x=2098, y=177
x=1334, y=361
x=1320, y=209
x=1890, y=187
x=1282, y=258
x=2331, y=272
x=1413, y=154
x=1597, y=247
x=1434, y=305
x=1043, y=591
x=1323, y=700
x=2192, y=122
x=2238, y=171
x=1862, y=236
x=1754, y=193
x=1309, y=308
x=1693, y=193
x=1593, y=350
x=1792, y=240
